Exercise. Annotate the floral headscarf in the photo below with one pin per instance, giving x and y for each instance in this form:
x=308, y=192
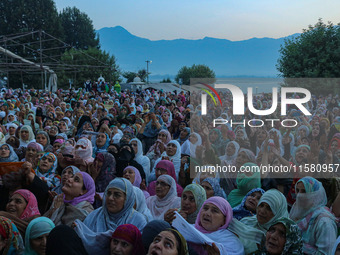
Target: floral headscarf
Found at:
x=9, y=232
x=50, y=177
x=32, y=204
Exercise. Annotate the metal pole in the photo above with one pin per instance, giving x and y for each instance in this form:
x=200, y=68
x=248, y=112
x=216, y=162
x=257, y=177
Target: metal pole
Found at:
x=42, y=75
x=147, y=72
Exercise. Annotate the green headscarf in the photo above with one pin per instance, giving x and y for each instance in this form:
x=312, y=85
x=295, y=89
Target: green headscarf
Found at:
x=245, y=184
x=200, y=196
x=293, y=243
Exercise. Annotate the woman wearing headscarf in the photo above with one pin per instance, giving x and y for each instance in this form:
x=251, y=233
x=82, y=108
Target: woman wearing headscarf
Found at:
x=64, y=240
x=249, y=204
x=76, y=202
x=141, y=204
x=314, y=219
x=213, y=220
x=151, y=230
x=32, y=151
x=46, y=170
x=283, y=237
x=190, y=145
x=7, y=153
x=215, y=137
x=44, y=139
x=272, y=206
x=26, y=135
x=118, y=201
x=231, y=152
x=156, y=150
x=21, y=208
x=132, y=174
x=101, y=144
x=127, y=240
x=83, y=150
x=212, y=188
x=184, y=135
x=169, y=241
x=173, y=154
x=66, y=174
x=165, y=198
x=192, y=200
x=164, y=167
x=144, y=161
x=245, y=181
x=11, y=240
x=36, y=236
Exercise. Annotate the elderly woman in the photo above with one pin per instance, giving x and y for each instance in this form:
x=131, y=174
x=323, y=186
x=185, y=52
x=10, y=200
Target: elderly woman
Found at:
x=283, y=237
x=118, y=201
x=190, y=145
x=231, y=152
x=36, y=236
x=192, y=199
x=156, y=150
x=314, y=219
x=10, y=239
x=213, y=220
x=165, y=198
x=272, y=206
x=46, y=170
x=75, y=202
x=127, y=240
x=7, y=153
x=164, y=167
x=249, y=204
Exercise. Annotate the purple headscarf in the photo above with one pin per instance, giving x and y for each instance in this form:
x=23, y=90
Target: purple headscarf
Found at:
x=138, y=178
x=224, y=207
x=89, y=195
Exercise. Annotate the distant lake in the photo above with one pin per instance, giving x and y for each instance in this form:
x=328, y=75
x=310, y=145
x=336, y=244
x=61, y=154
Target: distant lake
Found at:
x=259, y=85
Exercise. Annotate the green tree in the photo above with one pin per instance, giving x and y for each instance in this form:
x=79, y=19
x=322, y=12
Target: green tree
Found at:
x=167, y=80
x=78, y=29
x=89, y=63
x=195, y=71
x=129, y=76
x=315, y=53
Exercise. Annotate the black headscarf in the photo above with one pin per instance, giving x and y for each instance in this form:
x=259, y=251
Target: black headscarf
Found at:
x=64, y=240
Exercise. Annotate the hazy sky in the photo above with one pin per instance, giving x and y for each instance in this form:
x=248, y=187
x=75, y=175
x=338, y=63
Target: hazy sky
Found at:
x=193, y=19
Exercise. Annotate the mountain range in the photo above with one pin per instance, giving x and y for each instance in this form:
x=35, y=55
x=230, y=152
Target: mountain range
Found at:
x=255, y=57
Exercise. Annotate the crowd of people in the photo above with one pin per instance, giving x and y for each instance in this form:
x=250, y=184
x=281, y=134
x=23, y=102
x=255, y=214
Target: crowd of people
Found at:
x=110, y=171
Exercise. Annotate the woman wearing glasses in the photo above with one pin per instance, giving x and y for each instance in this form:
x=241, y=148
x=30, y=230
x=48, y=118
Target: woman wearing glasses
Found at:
x=165, y=198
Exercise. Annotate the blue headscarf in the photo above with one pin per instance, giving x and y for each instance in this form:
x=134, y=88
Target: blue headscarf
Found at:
x=151, y=131
x=13, y=157
x=240, y=211
x=215, y=184
x=101, y=149
x=37, y=227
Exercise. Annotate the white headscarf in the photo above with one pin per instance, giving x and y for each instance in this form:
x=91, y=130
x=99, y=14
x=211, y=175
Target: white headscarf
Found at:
x=141, y=204
x=85, y=154
x=159, y=206
x=144, y=161
x=190, y=148
x=228, y=160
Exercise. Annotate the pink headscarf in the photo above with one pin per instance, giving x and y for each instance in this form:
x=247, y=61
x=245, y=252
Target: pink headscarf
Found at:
x=225, y=208
x=169, y=166
x=32, y=204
